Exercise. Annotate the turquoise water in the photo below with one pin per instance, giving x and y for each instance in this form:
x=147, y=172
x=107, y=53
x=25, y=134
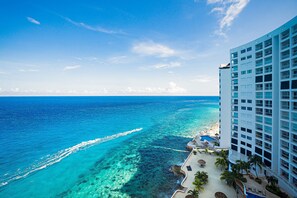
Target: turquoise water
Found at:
x=97, y=146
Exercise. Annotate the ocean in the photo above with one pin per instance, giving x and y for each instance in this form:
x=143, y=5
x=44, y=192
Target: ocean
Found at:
x=97, y=146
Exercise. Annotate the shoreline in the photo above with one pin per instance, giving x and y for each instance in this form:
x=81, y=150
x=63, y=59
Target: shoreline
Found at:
x=210, y=131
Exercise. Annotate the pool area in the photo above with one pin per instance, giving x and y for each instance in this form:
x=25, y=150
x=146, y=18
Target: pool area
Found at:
x=207, y=138
x=250, y=195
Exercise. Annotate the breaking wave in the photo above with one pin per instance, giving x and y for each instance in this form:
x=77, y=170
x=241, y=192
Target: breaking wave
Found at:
x=55, y=158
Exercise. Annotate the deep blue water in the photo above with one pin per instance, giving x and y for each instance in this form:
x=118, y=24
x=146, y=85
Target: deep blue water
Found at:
x=96, y=146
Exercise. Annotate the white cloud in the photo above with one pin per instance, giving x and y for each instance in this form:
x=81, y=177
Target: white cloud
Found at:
x=92, y=28
x=171, y=89
x=151, y=48
x=167, y=65
x=203, y=79
x=71, y=67
x=31, y=20
x=228, y=11
x=28, y=70
x=174, y=89
x=117, y=60
x=2, y=72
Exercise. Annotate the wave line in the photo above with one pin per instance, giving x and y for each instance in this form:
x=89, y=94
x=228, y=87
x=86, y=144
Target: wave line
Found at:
x=55, y=158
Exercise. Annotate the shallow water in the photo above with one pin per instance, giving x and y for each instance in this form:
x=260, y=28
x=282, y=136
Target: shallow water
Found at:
x=97, y=146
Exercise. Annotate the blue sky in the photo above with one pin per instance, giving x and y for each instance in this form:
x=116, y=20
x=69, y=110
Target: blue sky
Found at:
x=132, y=47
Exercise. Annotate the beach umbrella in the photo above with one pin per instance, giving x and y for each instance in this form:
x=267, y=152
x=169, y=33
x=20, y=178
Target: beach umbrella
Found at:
x=201, y=162
x=220, y=195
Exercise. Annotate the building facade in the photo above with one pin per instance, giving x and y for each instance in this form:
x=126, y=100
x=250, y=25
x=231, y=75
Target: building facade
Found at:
x=225, y=105
x=264, y=103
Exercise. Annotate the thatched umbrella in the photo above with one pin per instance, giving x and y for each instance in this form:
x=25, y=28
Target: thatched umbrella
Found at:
x=220, y=195
x=202, y=162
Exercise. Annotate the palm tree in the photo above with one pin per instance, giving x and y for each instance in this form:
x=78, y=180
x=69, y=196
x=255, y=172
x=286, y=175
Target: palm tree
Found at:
x=242, y=165
x=221, y=162
x=198, y=184
x=194, y=193
x=256, y=161
x=202, y=176
x=229, y=177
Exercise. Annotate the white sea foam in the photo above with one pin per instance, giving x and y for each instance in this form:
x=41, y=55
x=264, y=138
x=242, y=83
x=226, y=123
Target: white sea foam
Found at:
x=55, y=158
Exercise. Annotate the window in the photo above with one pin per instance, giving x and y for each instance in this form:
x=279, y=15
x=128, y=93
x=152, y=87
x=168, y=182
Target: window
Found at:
x=268, y=69
x=294, y=95
x=268, y=112
x=268, y=95
x=259, y=111
x=294, y=51
x=268, y=121
x=242, y=58
x=267, y=138
x=284, y=154
x=249, y=108
x=243, y=108
x=285, y=95
x=259, y=103
x=285, y=74
x=268, y=77
x=249, y=49
x=259, y=46
x=233, y=147
x=285, y=115
x=285, y=44
x=285, y=64
x=259, y=118
x=294, y=73
x=259, y=79
x=259, y=54
x=268, y=42
x=268, y=60
x=285, y=34
x=294, y=62
x=268, y=51
x=259, y=87
x=259, y=94
x=243, y=72
x=268, y=86
x=242, y=101
x=249, y=56
x=259, y=70
x=258, y=150
x=234, y=55
x=259, y=62
x=259, y=135
x=285, y=105
x=268, y=103
x=294, y=84
x=249, y=101
x=285, y=54
x=267, y=155
x=286, y=85
x=285, y=125
x=249, y=71
x=242, y=51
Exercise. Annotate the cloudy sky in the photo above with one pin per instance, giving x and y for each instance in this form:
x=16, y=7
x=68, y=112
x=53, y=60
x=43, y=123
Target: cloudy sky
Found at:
x=131, y=47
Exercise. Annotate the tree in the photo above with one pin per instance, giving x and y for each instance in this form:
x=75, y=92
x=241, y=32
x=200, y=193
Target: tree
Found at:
x=273, y=181
x=242, y=165
x=221, y=162
x=229, y=177
x=194, y=193
x=202, y=176
x=256, y=161
x=198, y=185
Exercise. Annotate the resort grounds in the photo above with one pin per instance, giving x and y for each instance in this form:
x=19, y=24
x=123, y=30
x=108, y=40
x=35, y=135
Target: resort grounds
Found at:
x=214, y=183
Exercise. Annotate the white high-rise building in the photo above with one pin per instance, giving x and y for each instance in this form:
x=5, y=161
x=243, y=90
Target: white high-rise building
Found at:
x=225, y=105
x=264, y=103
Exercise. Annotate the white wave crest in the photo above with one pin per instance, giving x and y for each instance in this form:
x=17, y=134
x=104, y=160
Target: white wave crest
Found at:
x=55, y=158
